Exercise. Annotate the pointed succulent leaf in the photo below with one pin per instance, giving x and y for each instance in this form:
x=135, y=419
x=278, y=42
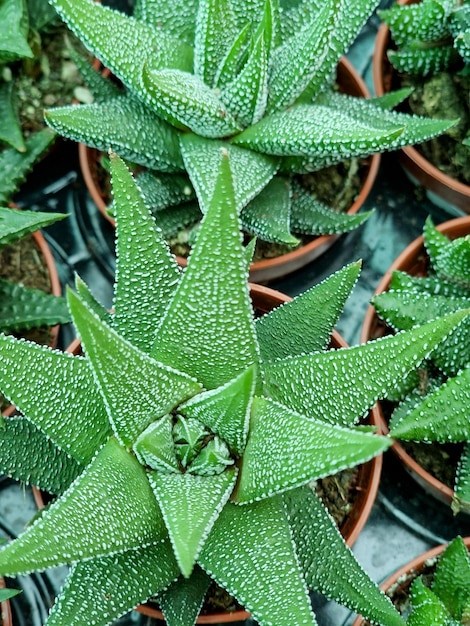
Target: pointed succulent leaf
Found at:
x=230, y=65
x=296, y=62
x=15, y=165
x=155, y=448
x=425, y=21
x=98, y=27
x=164, y=190
x=106, y=588
x=342, y=579
x=401, y=281
x=251, y=171
x=100, y=87
x=15, y=224
x=14, y=34
x=243, y=532
x=7, y=594
x=91, y=302
x=146, y=273
x=434, y=241
x=461, y=499
x=10, y=127
x=110, y=508
x=182, y=600
x=79, y=425
x=215, y=29
x=176, y=219
x=451, y=582
x=453, y=263
x=270, y=26
x=426, y=607
x=124, y=125
x=287, y=450
x=225, y=410
x=247, y=95
x=341, y=385
x=29, y=455
x=22, y=308
x=137, y=394
x=391, y=99
x=190, y=505
x=248, y=11
x=422, y=62
x=296, y=14
x=441, y=416
x=311, y=216
x=176, y=17
x=322, y=134
x=305, y=324
x=185, y=101
x=212, y=293
x=267, y=216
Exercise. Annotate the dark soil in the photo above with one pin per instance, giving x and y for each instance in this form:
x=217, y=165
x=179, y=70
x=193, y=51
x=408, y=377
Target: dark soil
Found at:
x=338, y=493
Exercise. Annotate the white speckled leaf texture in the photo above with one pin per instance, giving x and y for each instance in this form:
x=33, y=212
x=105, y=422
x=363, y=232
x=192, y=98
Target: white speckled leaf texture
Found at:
x=182, y=601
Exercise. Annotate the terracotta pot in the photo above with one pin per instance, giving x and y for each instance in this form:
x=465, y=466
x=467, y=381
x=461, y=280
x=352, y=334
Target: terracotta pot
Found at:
x=6, y=618
x=413, y=260
x=410, y=571
x=267, y=269
x=441, y=189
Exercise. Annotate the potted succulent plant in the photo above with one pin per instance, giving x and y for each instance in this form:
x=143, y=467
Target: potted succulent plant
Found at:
x=426, y=46
x=428, y=279
x=254, y=77
x=433, y=588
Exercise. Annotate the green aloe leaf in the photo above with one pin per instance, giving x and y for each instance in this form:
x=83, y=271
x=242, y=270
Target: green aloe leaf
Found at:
x=424, y=21
x=6, y=594
x=10, y=127
x=230, y=65
x=164, y=190
x=441, y=416
x=427, y=608
x=422, y=62
x=251, y=171
x=434, y=240
x=14, y=34
x=22, y=308
x=267, y=216
x=146, y=274
x=176, y=17
x=270, y=26
x=461, y=499
x=99, y=26
x=225, y=410
x=91, y=302
x=79, y=426
x=116, y=584
x=15, y=165
x=215, y=29
x=15, y=224
x=311, y=216
x=185, y=101
x=287, y=450
x=451, y=582
x=316, y=536
x=100, y=86
x=182, y=601
x=175, y=219
x=211, y=294
x=154, y=388
x=29, y=455
x=260, y=574
x=391, y=99
x=401, y=281
x=202, y=498
x=365, y=373
x=305, y=324
x=110, y=508
x=155, y=446
x=296, y=62
x=123, y=125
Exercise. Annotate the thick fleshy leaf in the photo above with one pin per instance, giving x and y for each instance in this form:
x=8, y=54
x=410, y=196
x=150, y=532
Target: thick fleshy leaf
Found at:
x=135, y=388
x=441, y=416
x=251, y=171
x=146, y=273
x=340, y=386
x=164, y=190
x=99, y=27
x=424, y=21
x=15, y=224
x=10, y=128
x=99, y=85
x=225, y=410
x=190, y=505
x=14, y=37
x=174, y=220
x=305, y=324
x=106, y=588
x=427, y=608
x=211, y=295
x=185, y=101
x=215, y=29
x=176, y=17
x=78, y=425
x=123, y=125
x=451, y=582
x=230, y=65
x=287, y=450
x=270, y=26
x=22, y=308
x=461, y=499
x=453, y=263
x=182, y=601
x=155, y=446
x=316, y=537
x=401, y=281
x=91, y=302
x=29, y=455
x=110, y=508
x=434, y=240
x=240, y=536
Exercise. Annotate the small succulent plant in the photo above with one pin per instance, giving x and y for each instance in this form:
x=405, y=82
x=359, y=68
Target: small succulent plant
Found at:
x=431, y=36
x=182, y=445
x=436, y=404
x=255, y=77
x=21, y=307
